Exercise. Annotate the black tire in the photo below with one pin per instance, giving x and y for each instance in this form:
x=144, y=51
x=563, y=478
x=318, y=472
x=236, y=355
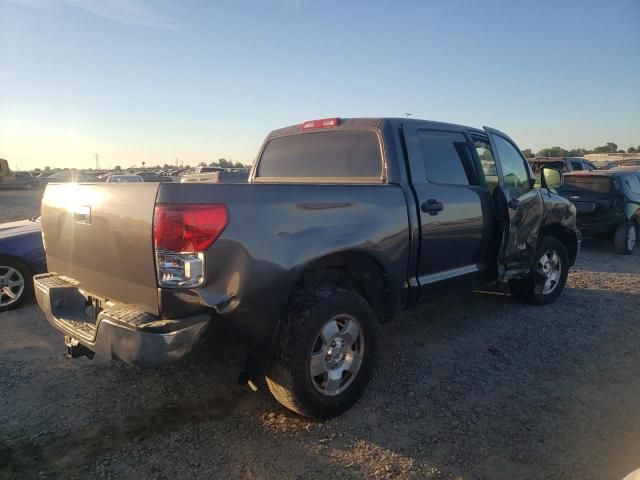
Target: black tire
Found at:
x=621, y=238
x=27, y=276
x=531, y=290
x=289, y=378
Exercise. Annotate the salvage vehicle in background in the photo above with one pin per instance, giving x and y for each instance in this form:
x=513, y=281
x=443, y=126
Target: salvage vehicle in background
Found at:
x=607, y=203
x=117, y=178
x=21, y=256
x=566, y=164
x=221, y=176
x=67, y=176
x=344, y=223
x=14, y=180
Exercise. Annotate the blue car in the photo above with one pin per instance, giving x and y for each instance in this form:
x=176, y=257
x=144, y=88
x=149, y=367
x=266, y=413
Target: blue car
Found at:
x=21, y=257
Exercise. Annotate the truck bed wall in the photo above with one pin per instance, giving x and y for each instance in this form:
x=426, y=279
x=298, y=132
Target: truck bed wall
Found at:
x=276, y=231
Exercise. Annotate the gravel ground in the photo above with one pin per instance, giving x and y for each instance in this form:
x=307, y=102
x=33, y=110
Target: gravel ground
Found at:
x=19, y=204
x=471, y=387
x=475, y=387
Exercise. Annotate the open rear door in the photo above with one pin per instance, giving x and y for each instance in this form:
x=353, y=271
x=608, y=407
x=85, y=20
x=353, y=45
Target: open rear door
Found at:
x=521, y=207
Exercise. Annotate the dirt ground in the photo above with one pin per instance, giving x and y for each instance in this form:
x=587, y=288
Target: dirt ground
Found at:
x=474, y=387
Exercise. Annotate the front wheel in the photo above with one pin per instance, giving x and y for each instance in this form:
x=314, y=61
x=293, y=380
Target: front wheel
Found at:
x=624, y=239
x=325, y=352
x=15, y=283
x=549, y=274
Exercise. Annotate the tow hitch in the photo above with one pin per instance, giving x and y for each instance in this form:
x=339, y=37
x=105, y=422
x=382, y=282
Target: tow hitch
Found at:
x=75, y=349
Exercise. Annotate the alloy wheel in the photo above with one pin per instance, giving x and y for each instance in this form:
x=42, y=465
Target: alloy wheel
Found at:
x=336, y=355
x=11, y=285
x=549, y=267
x=631, y=237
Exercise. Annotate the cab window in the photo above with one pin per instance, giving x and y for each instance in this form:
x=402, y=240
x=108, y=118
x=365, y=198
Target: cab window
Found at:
x=488, y=163
x=576, y=165
x=447, y=157
x=514, y=170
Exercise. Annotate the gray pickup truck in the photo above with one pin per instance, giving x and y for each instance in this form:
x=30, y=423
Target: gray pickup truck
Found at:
x=344, y=223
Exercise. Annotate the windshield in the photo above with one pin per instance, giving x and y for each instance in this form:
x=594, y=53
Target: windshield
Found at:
x=591, y=183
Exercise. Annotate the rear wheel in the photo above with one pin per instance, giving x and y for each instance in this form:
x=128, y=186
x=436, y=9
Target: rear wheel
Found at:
x=549, y=274
x=15, y=283
x=325, y=352
x=625, y=237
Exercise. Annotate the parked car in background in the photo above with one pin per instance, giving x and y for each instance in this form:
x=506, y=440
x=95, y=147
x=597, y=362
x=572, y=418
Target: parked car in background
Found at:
x=21, y=256
x=150, y=176
x=68, y=176
x=224, y=176
x=344, y=223
x=629, y=162
x=605, y=165
x=19, y=181
x=124, y=179
x=607, y=203
x=566, y=164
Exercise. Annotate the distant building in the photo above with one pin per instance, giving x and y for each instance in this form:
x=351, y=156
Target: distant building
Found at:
x=610, y=157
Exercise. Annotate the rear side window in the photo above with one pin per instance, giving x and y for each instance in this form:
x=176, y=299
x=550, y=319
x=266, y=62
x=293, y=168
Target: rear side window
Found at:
x=335, y=154
x=446, y=156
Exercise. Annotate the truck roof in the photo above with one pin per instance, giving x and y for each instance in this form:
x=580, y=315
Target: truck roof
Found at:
x=374, y=122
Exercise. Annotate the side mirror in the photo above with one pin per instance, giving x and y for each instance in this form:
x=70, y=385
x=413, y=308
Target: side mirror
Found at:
x=551, y=178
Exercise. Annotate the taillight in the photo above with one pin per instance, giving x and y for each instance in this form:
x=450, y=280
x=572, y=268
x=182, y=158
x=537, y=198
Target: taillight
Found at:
x=181, y=235
x=322, y=123
x=188, y=228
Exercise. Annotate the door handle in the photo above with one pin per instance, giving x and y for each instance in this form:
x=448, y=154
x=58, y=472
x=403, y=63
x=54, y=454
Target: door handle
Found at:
x=432, y=206
x=514, y=203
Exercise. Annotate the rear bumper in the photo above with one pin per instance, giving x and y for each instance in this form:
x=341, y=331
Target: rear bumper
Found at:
x=121, y=332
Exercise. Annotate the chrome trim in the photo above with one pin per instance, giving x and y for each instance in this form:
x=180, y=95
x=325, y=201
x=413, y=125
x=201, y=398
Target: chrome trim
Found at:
x=446, y=274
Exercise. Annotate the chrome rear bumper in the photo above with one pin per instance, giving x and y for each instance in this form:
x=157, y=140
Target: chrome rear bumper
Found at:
x=120, y=332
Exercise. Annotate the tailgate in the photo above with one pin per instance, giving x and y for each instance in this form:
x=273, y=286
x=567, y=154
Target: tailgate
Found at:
x=101, y=236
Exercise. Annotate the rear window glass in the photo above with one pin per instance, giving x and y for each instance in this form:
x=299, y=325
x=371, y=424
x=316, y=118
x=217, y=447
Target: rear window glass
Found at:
x=342, y=154
x=593, y=184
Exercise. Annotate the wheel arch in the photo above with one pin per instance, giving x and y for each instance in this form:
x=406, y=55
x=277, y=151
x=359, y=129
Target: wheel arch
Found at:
x=17, y=259
x=568, y=237
x=351, y=269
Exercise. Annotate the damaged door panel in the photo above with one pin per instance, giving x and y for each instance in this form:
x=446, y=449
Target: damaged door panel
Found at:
x=522, y=205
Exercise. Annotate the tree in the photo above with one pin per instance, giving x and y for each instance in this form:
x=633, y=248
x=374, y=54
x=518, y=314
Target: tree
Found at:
x=553, y=152
x=633, y=149
x=47, y=169
x=239, y=165
x=117, y=168
x=577, y=152
x=224, y=163
x=610, y=147
x=202, y=164
x=37, y=170
x=527, y=153
x=143, y=163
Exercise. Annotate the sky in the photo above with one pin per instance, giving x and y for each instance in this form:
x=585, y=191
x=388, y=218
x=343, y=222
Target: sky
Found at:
x=156, y=81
